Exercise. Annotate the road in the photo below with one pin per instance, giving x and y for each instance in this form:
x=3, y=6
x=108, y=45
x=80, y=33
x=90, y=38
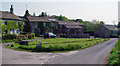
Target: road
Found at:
x=92, y=55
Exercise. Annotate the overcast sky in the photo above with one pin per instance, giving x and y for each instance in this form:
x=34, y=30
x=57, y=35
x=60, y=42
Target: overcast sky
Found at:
x=103, y=10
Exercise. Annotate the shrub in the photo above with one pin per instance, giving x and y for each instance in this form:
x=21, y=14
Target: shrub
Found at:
x=24, y=38
x=9, y=36
x=77, y=46
x=39, y=49
x=71, y=47
x=31, y=36
x=56, y=48
x=114, y=36
x=114, y=55
x=26, y=47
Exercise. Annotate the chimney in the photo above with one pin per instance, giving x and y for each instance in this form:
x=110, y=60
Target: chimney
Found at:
x=11, y=9
x=76, y=20
x=26, y=13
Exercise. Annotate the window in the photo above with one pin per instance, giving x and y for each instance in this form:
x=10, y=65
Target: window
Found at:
x=44, y=24
x=24, y=23
x=5, y=31
x=4, y=22
x=51, y=19
x=17, y=22
x=35, y=25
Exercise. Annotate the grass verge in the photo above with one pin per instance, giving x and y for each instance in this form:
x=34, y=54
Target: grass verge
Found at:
x=57, y=45
x=114, y=57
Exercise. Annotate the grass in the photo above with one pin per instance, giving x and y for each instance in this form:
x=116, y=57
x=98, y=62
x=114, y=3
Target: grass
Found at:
x=15, y=40
x=114, y=57
x=58, y=45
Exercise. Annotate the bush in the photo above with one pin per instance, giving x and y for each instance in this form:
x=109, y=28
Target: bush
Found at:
x=114, y=36
x=114, y=55
x=91, y=33
x=31, y=36
x=7, y=40
x=9, y=36
x=26, y=47
x=24, y=38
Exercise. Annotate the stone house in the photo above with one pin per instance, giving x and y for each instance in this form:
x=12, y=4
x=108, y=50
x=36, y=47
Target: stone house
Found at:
x=10, y=16
x=38, y=24
x=105, y=31
x=70, y=28
x=119, y=32
x=42, y=24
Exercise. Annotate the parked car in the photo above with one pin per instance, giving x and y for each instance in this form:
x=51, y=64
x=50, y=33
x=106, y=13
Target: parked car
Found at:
x=49, y=35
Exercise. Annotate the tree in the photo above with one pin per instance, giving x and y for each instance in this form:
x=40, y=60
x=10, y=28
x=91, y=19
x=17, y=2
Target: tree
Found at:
x=61, y=18
x=95, y=21
x=45, y=14
x=118, y=24
x=42, y=14
x=33, y=13
x=101, y=22
x=79, y=20
x=73, y=20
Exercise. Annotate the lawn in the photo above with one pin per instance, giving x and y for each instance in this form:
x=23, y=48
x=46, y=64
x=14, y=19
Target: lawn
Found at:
x=114, y=57
x=58, y=45
x=15, y=40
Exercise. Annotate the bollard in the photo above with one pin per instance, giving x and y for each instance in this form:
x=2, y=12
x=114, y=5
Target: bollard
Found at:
x=39, y=45
x=12, y=45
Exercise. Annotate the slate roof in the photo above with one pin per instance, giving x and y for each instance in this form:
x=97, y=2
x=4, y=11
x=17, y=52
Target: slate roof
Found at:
x=38, y=19
x=8, y=15
x=70, y=24
x=110, y=27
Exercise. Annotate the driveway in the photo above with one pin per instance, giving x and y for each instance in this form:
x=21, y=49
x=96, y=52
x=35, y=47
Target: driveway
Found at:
x=92, y=55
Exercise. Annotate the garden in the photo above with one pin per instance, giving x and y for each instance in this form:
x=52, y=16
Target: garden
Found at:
x=15, y=38
x=56, y=45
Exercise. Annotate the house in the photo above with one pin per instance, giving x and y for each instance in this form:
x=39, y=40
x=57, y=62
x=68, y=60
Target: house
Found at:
x=105, y=31
x=38, y=24
x=119, y=32
x=70, y=28
x=10, y=22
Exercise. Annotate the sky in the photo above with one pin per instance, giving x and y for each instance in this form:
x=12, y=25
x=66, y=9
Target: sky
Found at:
x=87, y=10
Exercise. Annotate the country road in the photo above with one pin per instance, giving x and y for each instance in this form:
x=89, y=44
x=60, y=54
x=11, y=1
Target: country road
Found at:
x=92, y=55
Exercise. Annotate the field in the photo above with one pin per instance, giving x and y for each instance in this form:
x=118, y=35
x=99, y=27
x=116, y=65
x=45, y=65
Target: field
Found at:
x=58, y=45
x=114, y=57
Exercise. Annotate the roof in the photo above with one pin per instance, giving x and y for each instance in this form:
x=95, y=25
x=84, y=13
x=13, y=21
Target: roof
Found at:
x=40, y=19
x=70, y=24
x=110, y=27
x=10, y=16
